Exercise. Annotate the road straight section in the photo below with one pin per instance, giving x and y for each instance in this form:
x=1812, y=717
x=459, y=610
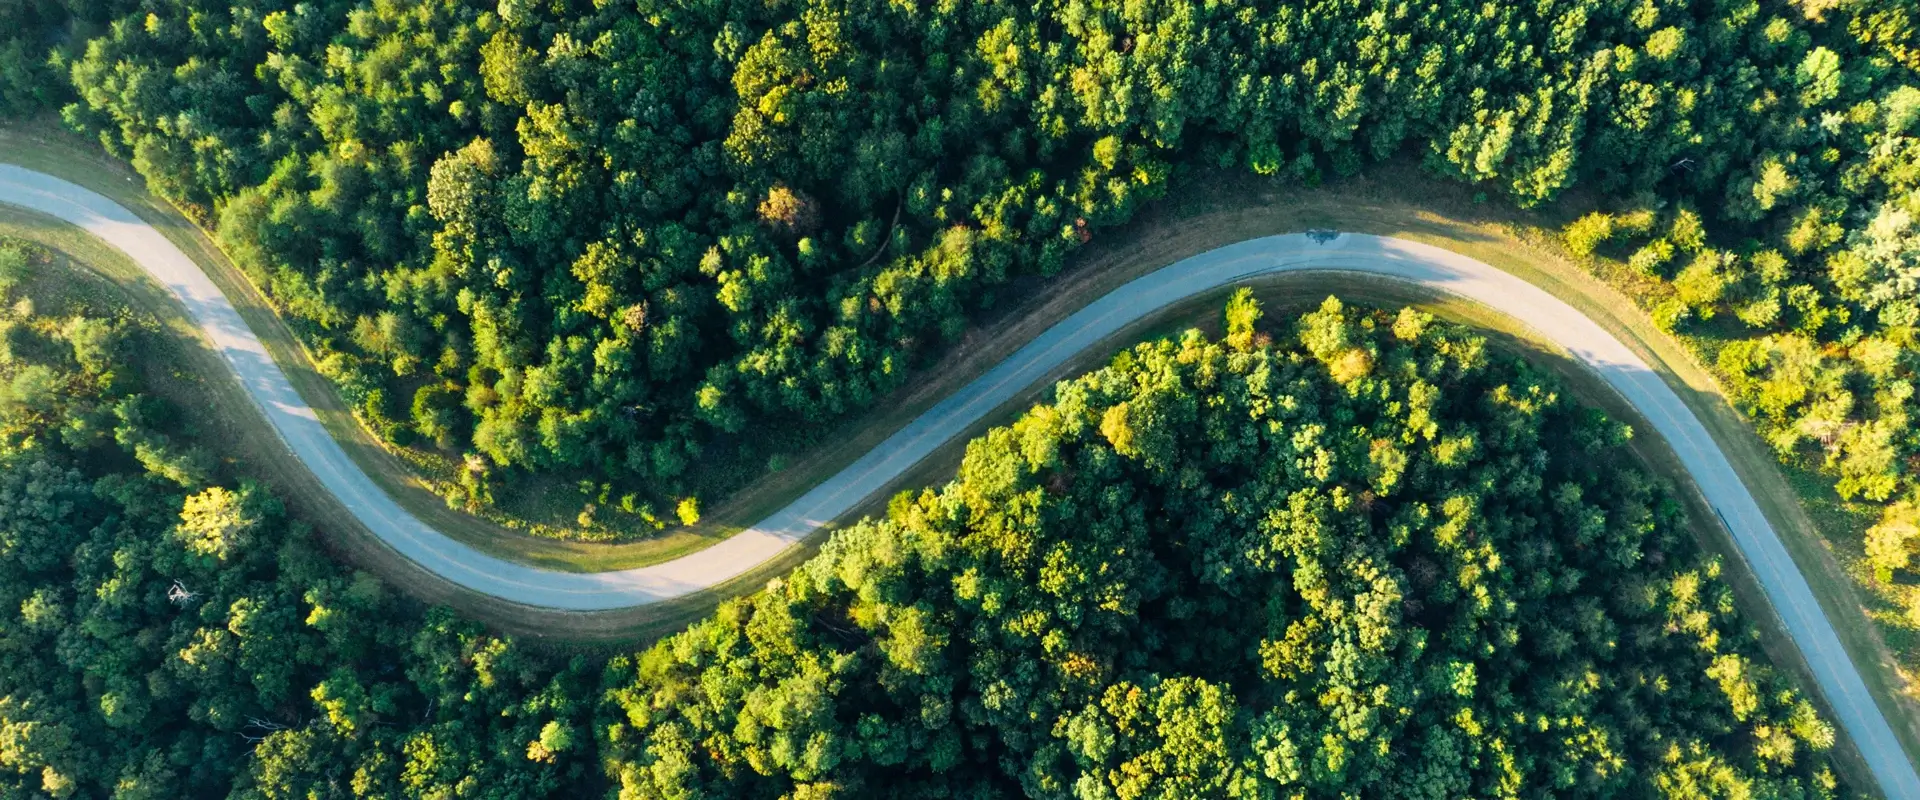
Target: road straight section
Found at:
x=1421, y=264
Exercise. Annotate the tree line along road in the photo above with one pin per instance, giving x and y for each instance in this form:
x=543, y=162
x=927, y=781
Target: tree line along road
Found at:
x=1427, y=266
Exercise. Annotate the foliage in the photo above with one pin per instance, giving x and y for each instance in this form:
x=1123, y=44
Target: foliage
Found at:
x=1221, y=571
x=1433, y=579
x=165, y=638
x=639, y=246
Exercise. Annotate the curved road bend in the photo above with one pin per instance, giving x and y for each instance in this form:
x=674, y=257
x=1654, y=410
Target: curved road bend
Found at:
x=1428, y=266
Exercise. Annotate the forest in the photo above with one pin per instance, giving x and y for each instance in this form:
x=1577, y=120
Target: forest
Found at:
x=1356, y=553
x=646, y=247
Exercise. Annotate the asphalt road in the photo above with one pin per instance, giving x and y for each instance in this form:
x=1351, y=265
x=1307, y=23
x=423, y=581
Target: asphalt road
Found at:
x=1392, y=258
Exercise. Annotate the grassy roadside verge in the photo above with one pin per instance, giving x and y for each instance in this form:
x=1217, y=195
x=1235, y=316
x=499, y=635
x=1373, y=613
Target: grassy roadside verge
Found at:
x=1225, y=212
x=1287, y=296
x=179, y=365
x=248, y=444
x=181, y=368
x=56, y=153
x=1818, y=531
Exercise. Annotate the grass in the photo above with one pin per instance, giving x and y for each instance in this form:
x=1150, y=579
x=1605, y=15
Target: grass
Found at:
x=1286, y=296
x=250, y=447
x=1395, y=200
x=177, y=364
x=1231, y=211
x=51, y=151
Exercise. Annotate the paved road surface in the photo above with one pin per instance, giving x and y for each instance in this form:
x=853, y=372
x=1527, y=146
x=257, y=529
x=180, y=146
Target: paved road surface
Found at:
x=1428, y=266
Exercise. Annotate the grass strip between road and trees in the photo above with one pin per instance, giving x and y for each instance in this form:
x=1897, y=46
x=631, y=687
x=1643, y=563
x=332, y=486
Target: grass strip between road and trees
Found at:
x=1395, y=201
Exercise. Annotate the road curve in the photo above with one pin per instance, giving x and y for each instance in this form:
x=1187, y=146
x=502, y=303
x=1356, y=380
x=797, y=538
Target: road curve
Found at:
x=1427, y=266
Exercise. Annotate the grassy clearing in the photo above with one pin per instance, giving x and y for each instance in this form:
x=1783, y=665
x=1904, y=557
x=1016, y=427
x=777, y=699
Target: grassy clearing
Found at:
x=193, y=373
x=1822, y=533
x=51, y=151
x=89, y=276
x=85, y=276
x=177, y=363
x=530, y=525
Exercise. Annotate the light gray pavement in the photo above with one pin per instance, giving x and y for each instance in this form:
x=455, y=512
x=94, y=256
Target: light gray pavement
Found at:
x=1425, y=265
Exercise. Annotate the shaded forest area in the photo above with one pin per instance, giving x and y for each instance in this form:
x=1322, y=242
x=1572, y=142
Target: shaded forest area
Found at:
x=638, y=247
x=1352, y=552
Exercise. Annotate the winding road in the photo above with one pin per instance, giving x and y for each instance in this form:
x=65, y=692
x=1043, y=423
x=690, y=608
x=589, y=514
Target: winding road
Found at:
x=1427, y=266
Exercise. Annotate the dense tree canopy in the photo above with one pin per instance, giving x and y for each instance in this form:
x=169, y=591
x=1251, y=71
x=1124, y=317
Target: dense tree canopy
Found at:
x=1371, y=559
x=168, y=632
x=612, y=240
x=1374, y=562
